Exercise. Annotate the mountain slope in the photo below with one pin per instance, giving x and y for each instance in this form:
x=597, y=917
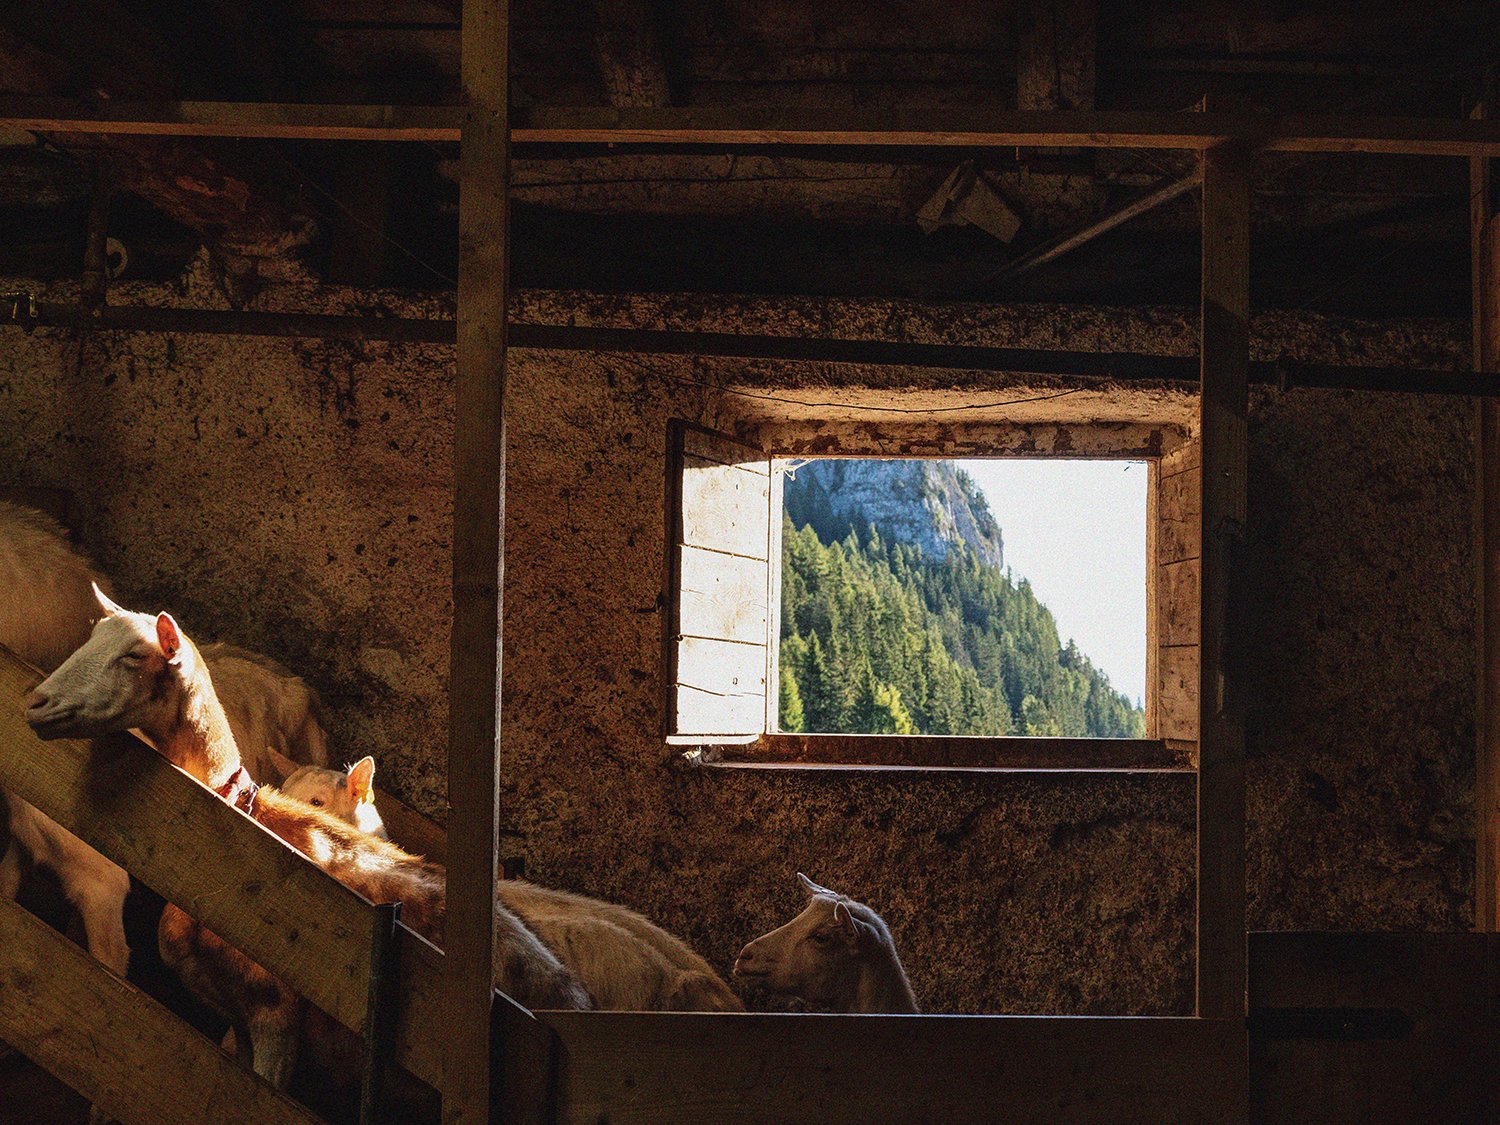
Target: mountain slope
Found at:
x=882, y=635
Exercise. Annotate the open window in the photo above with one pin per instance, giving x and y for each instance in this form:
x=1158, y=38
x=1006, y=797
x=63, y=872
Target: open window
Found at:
x=962, y=691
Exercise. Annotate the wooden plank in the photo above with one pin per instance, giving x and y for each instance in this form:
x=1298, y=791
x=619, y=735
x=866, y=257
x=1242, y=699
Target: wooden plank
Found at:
x=743, y=126
x=1224, y=407
x=963, y=128
x=722, y=667
x=713, y=713
x=935, y=750
x=114, y=1044
x=478, y=561
x=273, y=121
x=1180, y=520
x=124, y=799
x=663, y=1067
x=1153, y=598
x=1177, y=614
x=1177, y=715
x=1372, y=1027
x=724, y=508
x=1485, y=272
x=774, y=517
x=721, y=596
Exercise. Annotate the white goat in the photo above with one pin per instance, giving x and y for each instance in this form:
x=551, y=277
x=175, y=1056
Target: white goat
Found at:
x=347, y=794
x=837, y=955
x=47, y=609
x=627, y=962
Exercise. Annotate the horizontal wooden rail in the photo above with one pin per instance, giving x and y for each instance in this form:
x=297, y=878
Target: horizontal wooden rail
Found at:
x=250, y=888
x=114, y=1044
x=739, y=127
x=266, y=120
x=737, y=1069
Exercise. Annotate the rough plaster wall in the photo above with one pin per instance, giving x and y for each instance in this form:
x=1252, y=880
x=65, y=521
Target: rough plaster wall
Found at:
x=1361, y=734
x=295, y=496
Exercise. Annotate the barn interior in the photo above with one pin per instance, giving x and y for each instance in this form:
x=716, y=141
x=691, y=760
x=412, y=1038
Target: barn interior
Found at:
x=312, y=310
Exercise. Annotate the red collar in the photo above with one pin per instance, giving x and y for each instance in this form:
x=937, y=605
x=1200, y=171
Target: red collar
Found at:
x=239, y=791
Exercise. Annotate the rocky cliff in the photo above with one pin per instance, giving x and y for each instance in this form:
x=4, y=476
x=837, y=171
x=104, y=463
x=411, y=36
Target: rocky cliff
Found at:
x=931, y=504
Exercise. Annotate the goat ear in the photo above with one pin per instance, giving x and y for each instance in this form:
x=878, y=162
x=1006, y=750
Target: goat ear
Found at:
x=110, y=608
x=858, y=934
x=362, y=780
x=169, y=637
x=810, y=887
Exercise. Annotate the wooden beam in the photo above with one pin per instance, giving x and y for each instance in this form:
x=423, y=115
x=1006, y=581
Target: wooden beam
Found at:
x=743, y=127
x=1485, y=270
x=114, y=1044
x=970, y=128
x=664, y=1068
x=1223, y=406
x=478, y=562
x=933, y=751
x=1055, y=248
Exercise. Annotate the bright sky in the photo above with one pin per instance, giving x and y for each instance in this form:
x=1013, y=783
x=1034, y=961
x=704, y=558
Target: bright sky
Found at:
x=1077, y=531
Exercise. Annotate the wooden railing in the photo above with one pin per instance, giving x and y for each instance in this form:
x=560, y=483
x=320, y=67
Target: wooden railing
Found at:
x=250, y=888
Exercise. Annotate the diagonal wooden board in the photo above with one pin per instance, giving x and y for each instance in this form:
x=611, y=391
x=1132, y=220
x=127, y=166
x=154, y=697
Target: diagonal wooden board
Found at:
x=114, y=1044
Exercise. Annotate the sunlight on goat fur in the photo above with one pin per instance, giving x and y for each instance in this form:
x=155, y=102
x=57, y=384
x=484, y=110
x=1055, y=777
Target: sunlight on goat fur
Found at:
x=347, y=794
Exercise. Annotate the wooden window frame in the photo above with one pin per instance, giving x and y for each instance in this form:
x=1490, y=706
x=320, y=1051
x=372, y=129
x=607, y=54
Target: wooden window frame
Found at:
x=1172, y=749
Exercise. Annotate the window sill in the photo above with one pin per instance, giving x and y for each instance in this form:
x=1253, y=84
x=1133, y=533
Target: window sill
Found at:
x=943, y=754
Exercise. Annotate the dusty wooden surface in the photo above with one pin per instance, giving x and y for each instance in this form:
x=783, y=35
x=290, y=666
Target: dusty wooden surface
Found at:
x=1485, y=273
x=665, y=1067
x=478, y=558
x=959, y=751
x=1225, y=350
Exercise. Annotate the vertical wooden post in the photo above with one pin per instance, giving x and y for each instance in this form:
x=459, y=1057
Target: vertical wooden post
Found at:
x=478, y=561
x=1223, y=406
x=1486, y=302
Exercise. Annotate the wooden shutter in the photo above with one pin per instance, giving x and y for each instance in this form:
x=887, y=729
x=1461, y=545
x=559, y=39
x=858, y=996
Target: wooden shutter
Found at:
x=718, y=632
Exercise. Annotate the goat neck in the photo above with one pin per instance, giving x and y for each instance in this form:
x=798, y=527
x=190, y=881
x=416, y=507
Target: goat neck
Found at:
x=883, y=986
x=200, y=741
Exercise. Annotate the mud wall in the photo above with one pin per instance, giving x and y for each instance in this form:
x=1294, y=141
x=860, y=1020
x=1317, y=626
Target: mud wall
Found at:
x=295, y=496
